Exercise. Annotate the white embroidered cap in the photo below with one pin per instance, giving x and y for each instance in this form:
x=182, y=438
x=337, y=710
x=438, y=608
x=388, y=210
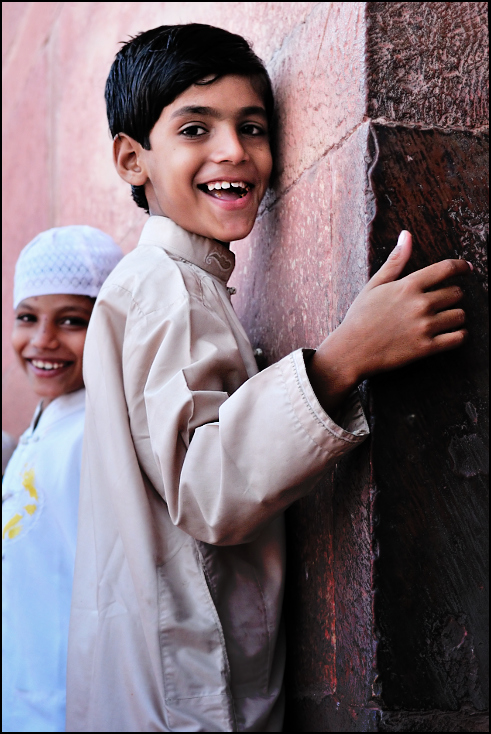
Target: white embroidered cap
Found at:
x=75, y=260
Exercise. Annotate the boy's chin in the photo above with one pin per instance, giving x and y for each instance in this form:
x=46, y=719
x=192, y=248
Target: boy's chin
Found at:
x=230, y=233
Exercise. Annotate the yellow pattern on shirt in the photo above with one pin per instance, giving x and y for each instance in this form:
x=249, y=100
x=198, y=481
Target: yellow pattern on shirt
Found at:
x=28, y=483
x=13, y=527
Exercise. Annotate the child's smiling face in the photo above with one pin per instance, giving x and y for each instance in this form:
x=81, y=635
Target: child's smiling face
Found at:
x=48, y=338
x=210, y=135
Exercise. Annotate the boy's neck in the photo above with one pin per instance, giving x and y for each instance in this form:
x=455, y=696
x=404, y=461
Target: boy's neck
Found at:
x=225, y=244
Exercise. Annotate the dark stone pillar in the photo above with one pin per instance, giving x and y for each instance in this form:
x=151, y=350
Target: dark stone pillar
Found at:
x=386, y=605
x=429, y=449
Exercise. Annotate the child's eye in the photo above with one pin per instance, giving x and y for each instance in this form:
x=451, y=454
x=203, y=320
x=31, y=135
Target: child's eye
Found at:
x=253, y=129
x=26, y=318
x=79, y=323
x=193, y=131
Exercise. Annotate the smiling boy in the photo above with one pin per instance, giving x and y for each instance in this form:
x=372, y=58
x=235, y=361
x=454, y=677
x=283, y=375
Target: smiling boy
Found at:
x=191, y=455
x=57, y=278
x=193, y=136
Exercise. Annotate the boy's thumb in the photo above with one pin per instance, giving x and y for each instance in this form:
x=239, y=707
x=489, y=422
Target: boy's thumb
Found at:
x=395, y=263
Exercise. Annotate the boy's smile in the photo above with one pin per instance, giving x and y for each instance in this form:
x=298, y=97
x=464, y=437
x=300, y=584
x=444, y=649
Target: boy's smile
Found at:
x=48, y=338
x=210, y=161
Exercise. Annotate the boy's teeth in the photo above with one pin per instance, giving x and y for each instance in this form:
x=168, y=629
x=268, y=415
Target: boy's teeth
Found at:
x=47, y=365
x=227, y=185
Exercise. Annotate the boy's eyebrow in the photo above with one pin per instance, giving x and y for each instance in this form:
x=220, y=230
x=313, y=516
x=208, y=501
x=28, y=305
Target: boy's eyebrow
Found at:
x=69, y=307
x=24, y=305
x=79, y=309
x=212, y=112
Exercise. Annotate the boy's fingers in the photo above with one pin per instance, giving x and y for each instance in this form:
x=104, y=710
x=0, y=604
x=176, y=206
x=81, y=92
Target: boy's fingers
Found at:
x=395, y=263
x=446, y=321
x=438, y=272
x=444, y=297
x=444, y=342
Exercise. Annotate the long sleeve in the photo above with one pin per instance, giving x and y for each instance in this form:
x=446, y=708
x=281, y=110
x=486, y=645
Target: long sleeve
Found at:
x=227, y=454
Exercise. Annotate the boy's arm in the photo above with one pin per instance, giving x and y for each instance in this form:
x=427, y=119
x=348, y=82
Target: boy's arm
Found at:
x=391, y=323
x=226, y=457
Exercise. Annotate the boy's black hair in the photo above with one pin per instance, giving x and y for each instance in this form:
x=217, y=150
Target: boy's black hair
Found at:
x=154, y=67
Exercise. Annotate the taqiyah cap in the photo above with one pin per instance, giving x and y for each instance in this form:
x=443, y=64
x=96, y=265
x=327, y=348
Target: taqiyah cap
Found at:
x=75, y=260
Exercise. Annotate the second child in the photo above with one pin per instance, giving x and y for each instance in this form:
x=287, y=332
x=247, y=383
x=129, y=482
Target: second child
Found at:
x=57, y=277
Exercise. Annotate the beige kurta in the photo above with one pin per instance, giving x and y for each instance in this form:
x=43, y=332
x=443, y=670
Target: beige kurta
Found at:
x=190, y=458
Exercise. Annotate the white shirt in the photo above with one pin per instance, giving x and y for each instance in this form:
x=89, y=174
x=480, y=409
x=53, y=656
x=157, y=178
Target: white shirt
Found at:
x=39, y=526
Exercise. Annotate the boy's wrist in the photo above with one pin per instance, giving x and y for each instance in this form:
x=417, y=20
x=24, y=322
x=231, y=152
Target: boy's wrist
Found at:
x=332, y=372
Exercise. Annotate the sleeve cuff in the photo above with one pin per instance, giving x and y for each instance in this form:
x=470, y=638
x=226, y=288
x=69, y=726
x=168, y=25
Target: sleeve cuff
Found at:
x=312, y=415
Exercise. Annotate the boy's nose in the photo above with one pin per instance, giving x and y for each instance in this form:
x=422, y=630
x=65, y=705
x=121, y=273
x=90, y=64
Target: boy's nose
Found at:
x=45, y=337
x=229, y=148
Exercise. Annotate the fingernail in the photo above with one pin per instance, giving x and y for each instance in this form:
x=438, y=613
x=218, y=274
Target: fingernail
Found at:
x=402, y=237
x=470, y=265
x=400, y=241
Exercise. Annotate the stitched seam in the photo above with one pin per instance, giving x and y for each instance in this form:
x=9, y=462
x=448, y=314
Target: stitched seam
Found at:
x=347, y=439
x=207, y=579
x=266, y=619
x=296, y=418
x=219, y=695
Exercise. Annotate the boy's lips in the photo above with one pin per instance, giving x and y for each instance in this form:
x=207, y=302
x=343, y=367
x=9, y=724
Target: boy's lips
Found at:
x=48, y=367
x=229, y=194
x=231, y=203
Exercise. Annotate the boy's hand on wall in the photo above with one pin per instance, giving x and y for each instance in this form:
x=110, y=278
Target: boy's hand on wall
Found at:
x=390, y=323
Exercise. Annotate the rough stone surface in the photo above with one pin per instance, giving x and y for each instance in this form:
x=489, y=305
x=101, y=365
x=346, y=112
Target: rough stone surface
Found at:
x=12, y=16
x=428, y=62
x=319, y=81
x=26, y=212
x=466, y=719
x=266, y=26
x=316, y=233
x=430, y=438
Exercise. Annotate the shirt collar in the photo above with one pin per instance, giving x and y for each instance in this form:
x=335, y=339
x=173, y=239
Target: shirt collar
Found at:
x=210, y=255
x=57, y=409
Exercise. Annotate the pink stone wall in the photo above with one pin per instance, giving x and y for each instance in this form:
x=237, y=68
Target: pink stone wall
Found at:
x=57, y=153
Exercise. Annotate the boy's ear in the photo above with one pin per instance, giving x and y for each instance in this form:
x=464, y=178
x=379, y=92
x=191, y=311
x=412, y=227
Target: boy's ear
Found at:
x=127, y=159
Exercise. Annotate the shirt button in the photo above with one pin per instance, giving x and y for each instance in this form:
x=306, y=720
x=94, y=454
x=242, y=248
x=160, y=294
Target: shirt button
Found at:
x=231, y=290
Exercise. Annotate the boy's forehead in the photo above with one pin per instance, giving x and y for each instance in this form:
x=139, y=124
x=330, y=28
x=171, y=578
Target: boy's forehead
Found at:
x=56, y=301
x=228, y=94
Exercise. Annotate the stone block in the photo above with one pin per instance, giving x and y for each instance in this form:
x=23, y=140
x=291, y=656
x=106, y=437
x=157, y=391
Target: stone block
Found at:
x=305, y=260
x=430, y=439
x=12, y=17
x=266, y=27
x=86, y=186
x=428, y=62
x=30, y=33
x=319, y=82
x=25, y=183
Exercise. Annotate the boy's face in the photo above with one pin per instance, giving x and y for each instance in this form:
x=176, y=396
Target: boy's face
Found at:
x=48, y=338
x=210, y=134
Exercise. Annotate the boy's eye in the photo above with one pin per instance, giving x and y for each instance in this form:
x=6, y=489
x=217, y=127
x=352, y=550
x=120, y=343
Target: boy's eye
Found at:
x=26, y=318
x=74, y=321
x=193, y=131
x=252, y=129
